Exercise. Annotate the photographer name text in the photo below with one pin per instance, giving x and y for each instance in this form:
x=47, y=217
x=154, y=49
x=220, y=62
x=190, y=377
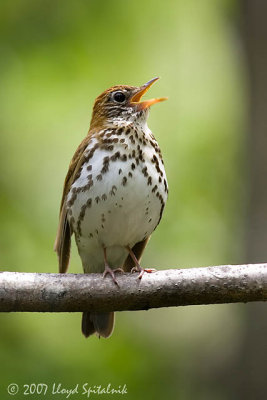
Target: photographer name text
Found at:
x=58, y=389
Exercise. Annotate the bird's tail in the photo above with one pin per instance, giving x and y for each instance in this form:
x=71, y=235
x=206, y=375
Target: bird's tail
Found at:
x=100, y=323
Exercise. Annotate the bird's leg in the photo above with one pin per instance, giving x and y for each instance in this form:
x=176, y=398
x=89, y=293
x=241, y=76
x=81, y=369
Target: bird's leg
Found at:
x=108, y=270
x=138, y=267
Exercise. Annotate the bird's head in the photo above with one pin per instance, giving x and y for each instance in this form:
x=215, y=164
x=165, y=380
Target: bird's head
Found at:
x=122, y=104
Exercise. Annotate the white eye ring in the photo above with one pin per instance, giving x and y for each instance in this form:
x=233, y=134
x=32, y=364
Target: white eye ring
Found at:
x=119, y=96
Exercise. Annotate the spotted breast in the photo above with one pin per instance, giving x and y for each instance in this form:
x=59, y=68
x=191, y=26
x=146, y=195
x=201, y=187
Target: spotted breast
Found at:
x=118, y=197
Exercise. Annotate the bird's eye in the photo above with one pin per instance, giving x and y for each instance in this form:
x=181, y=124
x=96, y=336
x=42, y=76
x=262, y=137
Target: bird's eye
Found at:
x=119, y=97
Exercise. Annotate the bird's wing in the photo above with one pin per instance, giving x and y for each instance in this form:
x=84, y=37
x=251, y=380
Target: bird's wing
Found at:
x=64, y=232
x=138, y=249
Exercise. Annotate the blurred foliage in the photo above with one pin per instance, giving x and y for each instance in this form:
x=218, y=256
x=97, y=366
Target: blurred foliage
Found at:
x=56, y=57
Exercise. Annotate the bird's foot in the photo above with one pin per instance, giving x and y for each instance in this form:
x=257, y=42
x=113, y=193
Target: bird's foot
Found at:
x=138, y=267
x=111, y=272
x=141, y=270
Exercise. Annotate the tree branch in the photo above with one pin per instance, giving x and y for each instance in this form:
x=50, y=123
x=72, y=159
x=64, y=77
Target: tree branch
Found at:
x=173, y=287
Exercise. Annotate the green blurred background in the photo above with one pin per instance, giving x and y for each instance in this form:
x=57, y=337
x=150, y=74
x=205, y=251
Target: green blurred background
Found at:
x=56, y=57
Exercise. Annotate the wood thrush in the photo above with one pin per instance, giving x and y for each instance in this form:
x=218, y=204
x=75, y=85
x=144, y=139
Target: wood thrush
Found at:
x=114, y=192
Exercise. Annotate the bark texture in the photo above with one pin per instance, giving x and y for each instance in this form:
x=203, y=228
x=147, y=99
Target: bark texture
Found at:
x=174, y=287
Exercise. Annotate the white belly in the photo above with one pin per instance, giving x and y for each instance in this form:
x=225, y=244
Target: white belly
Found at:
x=120, y=207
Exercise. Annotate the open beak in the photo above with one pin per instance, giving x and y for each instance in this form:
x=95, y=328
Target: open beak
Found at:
x=135, y=100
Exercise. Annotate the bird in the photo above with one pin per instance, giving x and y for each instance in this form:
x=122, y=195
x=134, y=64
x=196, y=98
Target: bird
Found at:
x=114, y=193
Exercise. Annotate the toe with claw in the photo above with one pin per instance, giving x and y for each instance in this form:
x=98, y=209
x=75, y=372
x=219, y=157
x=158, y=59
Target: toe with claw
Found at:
x=111, y=272
x=138, y=267
x=142, y=271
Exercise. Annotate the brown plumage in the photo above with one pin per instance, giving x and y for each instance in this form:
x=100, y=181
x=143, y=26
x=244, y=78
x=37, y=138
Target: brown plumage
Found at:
x=114, y=192
x=63, y=239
